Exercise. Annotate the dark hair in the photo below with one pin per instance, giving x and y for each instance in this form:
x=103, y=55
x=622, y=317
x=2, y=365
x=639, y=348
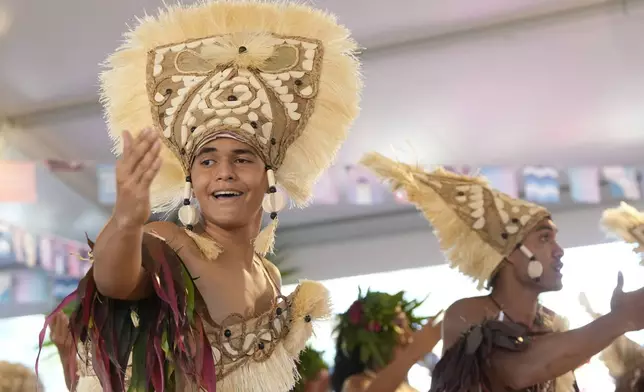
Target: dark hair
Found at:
x=345, y=365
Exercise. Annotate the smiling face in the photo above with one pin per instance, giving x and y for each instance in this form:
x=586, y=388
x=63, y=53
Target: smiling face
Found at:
x=229, y=181
x=542, y=241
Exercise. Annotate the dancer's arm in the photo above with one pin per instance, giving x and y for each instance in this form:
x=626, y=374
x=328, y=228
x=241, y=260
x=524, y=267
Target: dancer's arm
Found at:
x=117, y=252
x=546, y=357
x=555, y=354
x=394, y=374
x=117, y=262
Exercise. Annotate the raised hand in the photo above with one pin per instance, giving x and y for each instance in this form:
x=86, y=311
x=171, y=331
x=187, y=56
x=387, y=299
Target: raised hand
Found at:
x=629, y=306
x=135, y=170
x=425, y=339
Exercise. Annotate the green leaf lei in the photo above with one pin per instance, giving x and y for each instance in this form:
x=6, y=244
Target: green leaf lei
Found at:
x=370, y=326
x=309, y=366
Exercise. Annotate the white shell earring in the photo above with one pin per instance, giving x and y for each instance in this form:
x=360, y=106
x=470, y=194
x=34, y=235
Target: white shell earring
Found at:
x=274, y=201
x=188, y=214
x=535, y=268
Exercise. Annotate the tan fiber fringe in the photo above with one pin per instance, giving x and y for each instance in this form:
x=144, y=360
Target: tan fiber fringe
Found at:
x=463, y=247
x=124, y=94
x=208, y=247
x=264, y=243
x=312, y=300
x=619, y=222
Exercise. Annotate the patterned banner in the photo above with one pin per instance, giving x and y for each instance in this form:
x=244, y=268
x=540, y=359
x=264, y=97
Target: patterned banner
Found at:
x=623, y=182
x=364, y=187
x=357, y=185
x=541, y=184
x=326, y=191
x=584, y=184
x=502, y=179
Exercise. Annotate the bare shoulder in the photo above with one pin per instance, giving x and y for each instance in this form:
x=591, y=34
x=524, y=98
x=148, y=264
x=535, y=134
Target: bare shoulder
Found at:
x=273, y=271
x=356, y=383
x=462, y=314
x=163, y=229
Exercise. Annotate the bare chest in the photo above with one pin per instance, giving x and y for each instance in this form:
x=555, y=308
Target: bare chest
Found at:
x=233, y=290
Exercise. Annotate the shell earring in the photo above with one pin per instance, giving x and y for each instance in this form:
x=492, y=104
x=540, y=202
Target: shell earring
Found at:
x=535, y=268
x=188, y=214
x=274, y=201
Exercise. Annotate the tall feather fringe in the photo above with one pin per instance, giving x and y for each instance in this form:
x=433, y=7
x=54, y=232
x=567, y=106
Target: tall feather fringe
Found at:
x=462, y=246
x=619, y=222
x=125, y=98
x=265, y=241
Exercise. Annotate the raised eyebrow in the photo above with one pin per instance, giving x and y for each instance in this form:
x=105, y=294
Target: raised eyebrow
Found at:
x=205, y=150
x=243, y=151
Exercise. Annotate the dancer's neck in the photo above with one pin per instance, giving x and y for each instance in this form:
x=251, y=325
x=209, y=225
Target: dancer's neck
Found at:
x=237, y=243
x=517, y=301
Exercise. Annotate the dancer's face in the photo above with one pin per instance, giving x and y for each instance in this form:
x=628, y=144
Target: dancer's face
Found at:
x=229, y=181
x=542, y=241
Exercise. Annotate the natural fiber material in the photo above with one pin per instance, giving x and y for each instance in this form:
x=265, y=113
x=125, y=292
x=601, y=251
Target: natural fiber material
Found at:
x=477, y=226
x=17, y=378
x=264, y=243
x=282, y=77
x=626, y=223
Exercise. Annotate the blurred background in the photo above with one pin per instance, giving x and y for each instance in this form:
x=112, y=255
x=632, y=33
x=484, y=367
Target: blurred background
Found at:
x=545, y=97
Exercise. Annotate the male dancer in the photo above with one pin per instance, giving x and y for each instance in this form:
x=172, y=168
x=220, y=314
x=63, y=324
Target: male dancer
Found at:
x=505, y=340
x=230, y=103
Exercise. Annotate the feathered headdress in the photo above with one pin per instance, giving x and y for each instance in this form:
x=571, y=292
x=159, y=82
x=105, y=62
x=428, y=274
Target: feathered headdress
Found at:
x=280, y=77
x=626, y=223
x=477, y=226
